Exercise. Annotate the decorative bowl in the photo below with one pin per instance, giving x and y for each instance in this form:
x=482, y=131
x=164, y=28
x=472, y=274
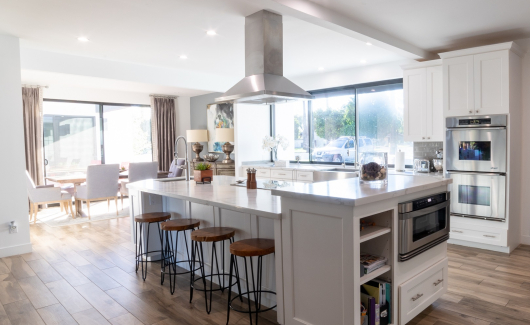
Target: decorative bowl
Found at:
x=211, y=157
x=374, y=167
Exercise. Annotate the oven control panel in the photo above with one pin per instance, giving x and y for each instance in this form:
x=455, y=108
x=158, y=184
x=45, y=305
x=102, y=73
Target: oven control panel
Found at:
x=475, y=121
x=428, y=201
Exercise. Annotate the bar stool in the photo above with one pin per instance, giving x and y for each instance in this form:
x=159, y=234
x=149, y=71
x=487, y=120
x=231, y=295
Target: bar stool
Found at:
x=255, y=247
x=171, y=248
x=141, y=220
x=213, y=235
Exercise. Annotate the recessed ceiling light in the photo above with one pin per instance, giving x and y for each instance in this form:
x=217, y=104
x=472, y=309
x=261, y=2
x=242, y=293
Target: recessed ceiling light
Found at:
x=83, y=39
x=211, y=33
x=368, y=43
x=320, y=68
x=373, y=89
x=363, y=61
x=183, y=57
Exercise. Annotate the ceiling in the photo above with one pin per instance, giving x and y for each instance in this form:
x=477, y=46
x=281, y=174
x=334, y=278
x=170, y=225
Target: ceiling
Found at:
x=158, y=32
x=438, y=26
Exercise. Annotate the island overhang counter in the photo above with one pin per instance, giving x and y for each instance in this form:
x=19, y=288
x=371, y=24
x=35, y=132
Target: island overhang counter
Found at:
x=315, y=270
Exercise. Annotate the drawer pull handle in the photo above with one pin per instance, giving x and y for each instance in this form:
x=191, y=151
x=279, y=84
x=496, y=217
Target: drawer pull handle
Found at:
x=461, y=232
x=281, y=174
x=489, y=236
x=438, y=282
x=418, y=296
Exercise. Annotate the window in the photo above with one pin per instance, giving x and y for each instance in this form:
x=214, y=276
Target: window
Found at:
x=77, y=135
x=341, y=124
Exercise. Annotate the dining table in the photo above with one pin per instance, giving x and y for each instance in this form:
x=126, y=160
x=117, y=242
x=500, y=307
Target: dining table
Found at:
x=78, y=179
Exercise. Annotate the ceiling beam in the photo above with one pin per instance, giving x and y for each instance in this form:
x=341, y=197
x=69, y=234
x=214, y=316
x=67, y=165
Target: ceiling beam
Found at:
x=327, y=18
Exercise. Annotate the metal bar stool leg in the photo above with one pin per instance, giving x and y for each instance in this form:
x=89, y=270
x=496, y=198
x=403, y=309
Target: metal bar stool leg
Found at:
x=230, y=291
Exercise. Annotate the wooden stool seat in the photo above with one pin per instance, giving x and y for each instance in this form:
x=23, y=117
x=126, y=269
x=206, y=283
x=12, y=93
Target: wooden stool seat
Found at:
x=252, y=247
x=213, y=234
x=180, y=224
x=153, y=217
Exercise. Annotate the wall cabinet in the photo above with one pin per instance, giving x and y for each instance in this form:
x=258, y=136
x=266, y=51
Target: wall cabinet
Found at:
x=476, y=81
x=423, y=110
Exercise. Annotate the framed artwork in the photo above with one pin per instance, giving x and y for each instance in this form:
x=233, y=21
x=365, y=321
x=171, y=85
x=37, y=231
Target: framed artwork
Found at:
x=218, y=116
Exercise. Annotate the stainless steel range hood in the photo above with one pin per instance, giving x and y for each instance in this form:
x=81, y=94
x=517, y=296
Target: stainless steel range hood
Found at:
x=264, y=82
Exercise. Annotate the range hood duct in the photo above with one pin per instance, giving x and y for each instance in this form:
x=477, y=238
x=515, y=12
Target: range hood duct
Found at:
x=264, y=82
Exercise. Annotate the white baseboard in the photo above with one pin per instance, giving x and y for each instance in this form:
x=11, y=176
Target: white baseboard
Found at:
x=15, y=250
x=500, y=249
x=525, y=240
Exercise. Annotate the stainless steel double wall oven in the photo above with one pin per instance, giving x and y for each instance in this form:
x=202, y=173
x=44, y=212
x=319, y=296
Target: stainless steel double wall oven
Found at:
x=476, y=161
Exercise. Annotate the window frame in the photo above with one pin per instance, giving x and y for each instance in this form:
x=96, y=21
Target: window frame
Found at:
x=353, y=88
x=100, y=106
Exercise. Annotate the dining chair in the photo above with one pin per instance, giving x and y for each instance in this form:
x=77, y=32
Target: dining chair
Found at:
x=101, y=184
x=174, y=170
x=45, y=194
x=138, y=172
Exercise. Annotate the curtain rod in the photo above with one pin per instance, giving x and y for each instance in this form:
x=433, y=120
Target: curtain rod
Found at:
x=34, y=86
x=163, y=96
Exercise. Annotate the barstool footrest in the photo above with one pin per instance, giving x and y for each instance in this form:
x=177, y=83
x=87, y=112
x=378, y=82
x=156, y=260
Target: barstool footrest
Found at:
x=179, y=273
x=252, y=311
x=210, y=276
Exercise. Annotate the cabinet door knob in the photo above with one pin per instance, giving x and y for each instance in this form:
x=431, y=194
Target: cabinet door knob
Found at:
x=428, y=138
x=423, y=138
x=418, y=296
x=476, y=111
x=470, y=111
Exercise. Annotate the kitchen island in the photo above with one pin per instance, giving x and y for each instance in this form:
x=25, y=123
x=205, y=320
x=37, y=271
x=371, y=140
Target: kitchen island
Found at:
x=316, y=226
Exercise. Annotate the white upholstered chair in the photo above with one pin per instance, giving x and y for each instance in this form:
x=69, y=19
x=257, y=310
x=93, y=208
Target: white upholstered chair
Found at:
x=46, y=194
x=174, y=169
x=101, y=184
x=138, y=172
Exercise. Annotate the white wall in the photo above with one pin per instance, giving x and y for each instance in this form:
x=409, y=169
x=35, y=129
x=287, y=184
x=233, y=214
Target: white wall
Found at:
x=252, y=123
x=525, y=202
x=183, y=123
x=360, y=75
x=13, y=193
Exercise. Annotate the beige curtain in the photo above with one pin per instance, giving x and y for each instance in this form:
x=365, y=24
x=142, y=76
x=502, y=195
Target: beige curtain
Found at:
x=32, y=107
x=163, y=128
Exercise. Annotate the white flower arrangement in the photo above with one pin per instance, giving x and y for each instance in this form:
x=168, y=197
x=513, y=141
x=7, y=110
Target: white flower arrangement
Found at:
x=272, y=143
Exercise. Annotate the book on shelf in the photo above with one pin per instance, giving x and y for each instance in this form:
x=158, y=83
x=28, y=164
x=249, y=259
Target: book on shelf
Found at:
x=377, y=299
x=370, y=262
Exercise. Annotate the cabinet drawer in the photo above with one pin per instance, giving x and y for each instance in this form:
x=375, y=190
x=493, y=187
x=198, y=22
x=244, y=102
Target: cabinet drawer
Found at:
x=263, y=173
x=479, y=234
x=422, y=290
x=281, y=174
x=304, y=176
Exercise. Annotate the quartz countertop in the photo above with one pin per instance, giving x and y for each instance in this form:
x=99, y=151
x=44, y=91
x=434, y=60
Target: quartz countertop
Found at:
x=294, y=166
x=352, y=192
x=219, y=193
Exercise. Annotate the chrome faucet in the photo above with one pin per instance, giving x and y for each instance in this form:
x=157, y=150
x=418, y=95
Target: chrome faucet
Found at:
x=186, y=165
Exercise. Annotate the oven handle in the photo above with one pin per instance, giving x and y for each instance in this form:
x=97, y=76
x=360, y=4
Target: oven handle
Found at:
x=476, y=173
x=417, y=213
x=477, y=128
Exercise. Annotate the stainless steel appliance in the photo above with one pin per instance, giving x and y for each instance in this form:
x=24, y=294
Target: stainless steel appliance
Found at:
x=476, y=161
x=423, y=224
x=422, y=165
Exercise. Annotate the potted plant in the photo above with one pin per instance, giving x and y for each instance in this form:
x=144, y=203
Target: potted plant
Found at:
x=271, y=144
x=203, y=173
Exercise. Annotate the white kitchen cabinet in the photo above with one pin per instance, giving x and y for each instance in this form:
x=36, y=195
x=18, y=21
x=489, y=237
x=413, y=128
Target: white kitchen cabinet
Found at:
x=491, y=80
x=477, y=81
x=423, y=111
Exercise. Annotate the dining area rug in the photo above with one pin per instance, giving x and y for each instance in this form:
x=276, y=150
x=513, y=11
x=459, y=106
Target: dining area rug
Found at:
x=53, y=217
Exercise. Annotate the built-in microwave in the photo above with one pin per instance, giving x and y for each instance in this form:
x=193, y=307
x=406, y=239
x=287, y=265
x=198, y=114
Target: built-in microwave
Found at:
x=423, y=224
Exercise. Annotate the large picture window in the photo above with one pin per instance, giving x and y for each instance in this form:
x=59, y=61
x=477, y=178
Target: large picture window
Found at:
x=341, y=124
x=79, y=134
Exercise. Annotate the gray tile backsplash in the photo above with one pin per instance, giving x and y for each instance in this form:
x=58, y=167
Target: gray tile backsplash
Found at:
x=426, y=150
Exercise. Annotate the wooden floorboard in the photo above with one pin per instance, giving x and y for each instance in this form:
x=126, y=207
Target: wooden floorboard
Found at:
x=85, y=274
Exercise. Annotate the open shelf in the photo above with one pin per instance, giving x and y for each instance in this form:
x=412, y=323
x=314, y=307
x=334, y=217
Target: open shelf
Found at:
x=370, y=276
x=373, y=232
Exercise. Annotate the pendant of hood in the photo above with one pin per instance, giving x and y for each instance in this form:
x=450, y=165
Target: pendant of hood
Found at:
x=264, y=82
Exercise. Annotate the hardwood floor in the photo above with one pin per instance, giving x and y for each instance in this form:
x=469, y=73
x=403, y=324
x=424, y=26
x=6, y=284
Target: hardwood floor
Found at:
x=85, y=274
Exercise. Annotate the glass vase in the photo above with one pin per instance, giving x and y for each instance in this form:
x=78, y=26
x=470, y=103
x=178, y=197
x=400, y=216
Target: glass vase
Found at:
x=374, y=168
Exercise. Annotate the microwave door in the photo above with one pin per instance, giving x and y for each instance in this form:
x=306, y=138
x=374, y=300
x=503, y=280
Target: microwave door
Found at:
x=479, y=195
x=478, y=149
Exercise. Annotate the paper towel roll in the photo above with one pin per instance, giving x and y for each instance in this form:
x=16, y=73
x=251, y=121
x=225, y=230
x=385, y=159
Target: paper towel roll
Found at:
x=400, y=161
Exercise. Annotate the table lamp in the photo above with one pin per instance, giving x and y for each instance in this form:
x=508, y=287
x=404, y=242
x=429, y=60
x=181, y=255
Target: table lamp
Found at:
x=227, y=135
x=197, y=136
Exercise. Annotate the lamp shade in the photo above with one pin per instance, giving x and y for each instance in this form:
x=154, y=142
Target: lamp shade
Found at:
x=224, y=135
x=197, y=136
